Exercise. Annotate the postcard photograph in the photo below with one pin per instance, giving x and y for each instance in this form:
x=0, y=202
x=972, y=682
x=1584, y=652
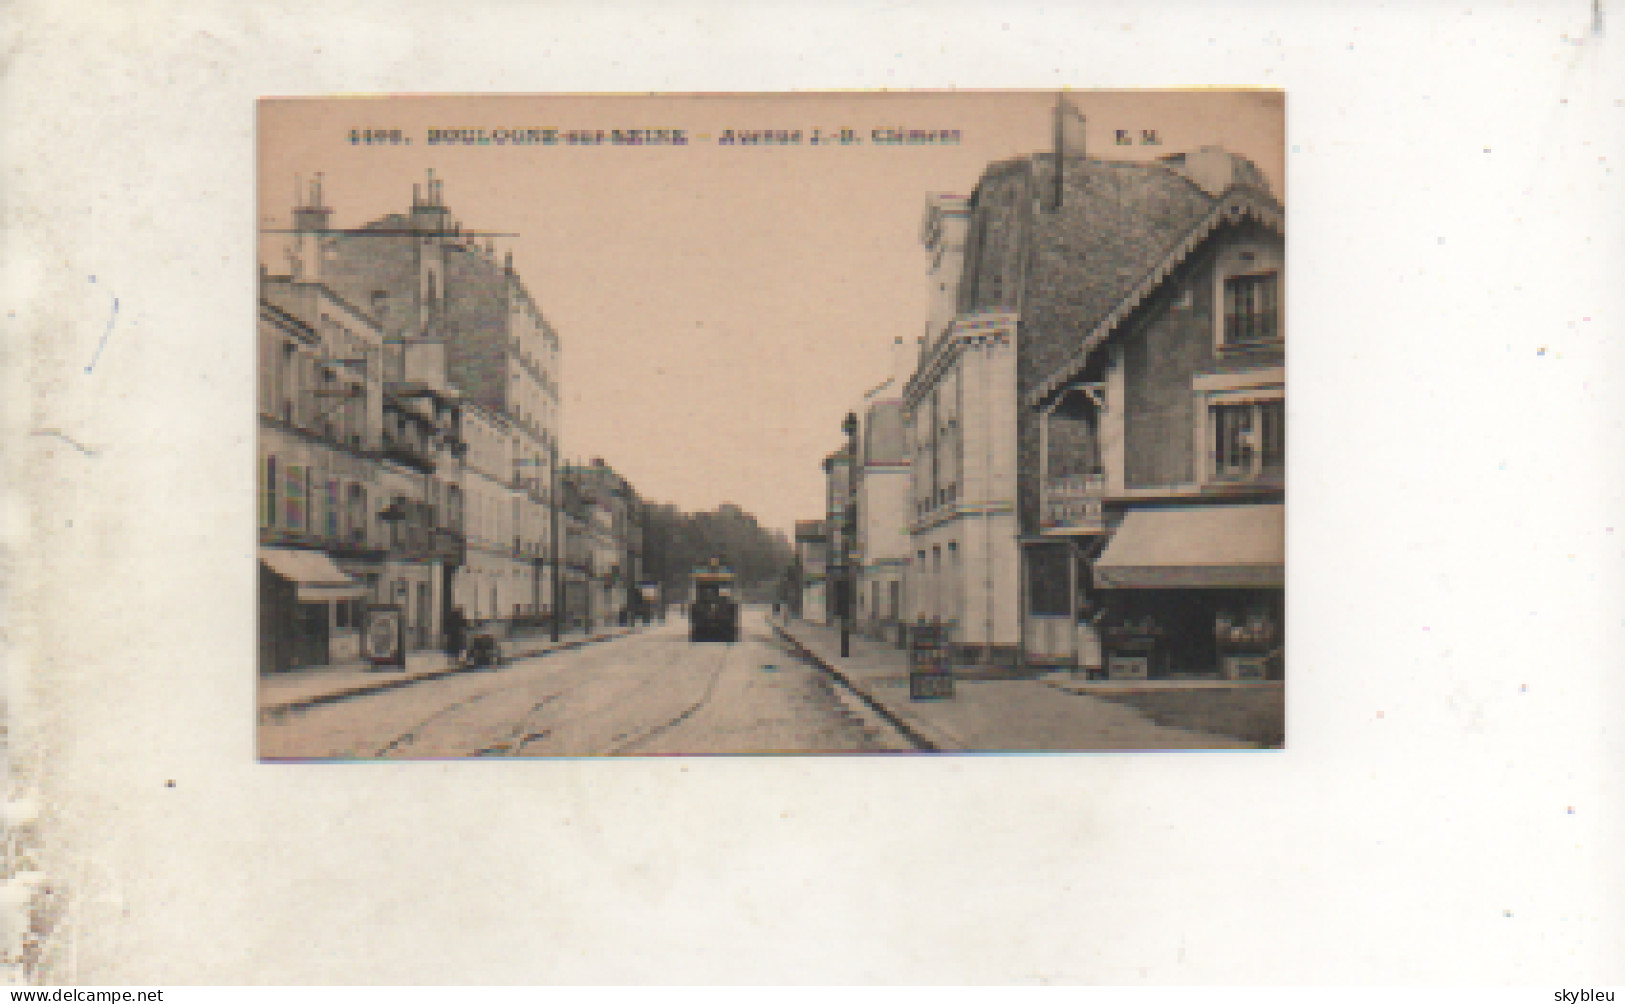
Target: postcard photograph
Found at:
x=742, y=424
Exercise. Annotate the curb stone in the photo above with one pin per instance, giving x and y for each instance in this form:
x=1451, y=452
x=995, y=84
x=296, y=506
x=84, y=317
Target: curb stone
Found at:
x=936, y=738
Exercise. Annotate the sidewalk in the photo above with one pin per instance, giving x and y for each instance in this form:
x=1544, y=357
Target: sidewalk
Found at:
x=284, y=692
x=994, y=714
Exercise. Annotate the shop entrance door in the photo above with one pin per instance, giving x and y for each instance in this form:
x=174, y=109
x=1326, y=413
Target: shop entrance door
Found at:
x=309, y=635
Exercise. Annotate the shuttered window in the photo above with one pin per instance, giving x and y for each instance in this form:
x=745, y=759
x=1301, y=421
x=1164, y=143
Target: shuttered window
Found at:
x=1251, y=308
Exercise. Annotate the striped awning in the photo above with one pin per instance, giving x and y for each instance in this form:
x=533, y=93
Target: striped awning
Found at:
x=1197, y=547
x=313, y=574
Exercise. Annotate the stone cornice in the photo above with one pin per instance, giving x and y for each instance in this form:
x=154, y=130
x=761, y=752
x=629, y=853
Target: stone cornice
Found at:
x=974, y=329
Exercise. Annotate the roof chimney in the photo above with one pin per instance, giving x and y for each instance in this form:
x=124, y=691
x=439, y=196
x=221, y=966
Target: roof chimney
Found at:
x=1070, y=129
x=311, y=216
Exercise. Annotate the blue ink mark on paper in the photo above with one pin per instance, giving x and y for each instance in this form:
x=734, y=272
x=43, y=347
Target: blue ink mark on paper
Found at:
x=58, y=434
x=111, y=318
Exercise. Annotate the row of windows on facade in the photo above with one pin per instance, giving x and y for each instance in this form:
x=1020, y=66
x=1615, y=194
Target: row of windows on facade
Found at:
x=488, y=456
x=543, y=377
x=939, y=459
x=1247, y=443
x=529, y=421
x=933, y=602
x=303, y=390
x=298, y=498
x=526, y=534
x=302, y=498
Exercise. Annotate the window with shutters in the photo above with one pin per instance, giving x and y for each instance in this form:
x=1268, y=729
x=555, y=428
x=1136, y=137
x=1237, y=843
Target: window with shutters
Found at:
x=330, y=509
x=1251, y=308
x=357, y=514
x=295, y=493
x=268, y=493
x=1249, y=440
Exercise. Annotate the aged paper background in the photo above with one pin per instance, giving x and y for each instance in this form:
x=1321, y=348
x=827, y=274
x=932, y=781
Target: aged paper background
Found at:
x=1448, y=807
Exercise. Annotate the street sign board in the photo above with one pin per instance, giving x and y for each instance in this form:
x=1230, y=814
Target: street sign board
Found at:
x=930, y=676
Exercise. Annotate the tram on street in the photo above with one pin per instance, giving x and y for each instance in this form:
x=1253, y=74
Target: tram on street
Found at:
x=713, y=607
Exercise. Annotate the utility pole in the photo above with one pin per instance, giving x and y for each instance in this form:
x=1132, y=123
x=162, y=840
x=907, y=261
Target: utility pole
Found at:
x=849, y=512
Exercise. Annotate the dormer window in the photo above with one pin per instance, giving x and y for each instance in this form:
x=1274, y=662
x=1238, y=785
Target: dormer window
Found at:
x=1251, y=308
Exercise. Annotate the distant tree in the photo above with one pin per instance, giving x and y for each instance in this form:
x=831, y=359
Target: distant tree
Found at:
x=675, y=543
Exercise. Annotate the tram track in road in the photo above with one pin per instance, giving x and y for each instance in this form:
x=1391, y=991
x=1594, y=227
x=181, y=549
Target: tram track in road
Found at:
x=519, y=735
x=530, y=729
x=658, y=730
x=663, y=695
x=526, y=732
x=410, y=735
x=504, y=684
x=279, y=712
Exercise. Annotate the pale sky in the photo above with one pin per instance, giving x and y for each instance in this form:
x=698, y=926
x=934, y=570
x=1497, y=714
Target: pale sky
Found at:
x=720, y=308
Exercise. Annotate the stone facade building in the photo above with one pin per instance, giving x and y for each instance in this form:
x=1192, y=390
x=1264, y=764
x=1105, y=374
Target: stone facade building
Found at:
x=509, y=537
x=610, y=516
x=447, y=296
x=882, y=497
x=358, y=469
x=959, y=413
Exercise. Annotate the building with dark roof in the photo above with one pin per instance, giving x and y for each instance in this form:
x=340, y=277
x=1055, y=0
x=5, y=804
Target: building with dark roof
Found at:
x=1084, y=325
x=1152, y=421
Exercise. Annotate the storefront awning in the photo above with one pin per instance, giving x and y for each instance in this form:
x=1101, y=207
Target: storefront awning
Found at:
x=1197, y=547
x=313, y=573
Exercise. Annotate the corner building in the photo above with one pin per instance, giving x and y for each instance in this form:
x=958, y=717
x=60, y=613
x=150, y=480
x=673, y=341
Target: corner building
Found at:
x=959, y=413
x=1153, y=431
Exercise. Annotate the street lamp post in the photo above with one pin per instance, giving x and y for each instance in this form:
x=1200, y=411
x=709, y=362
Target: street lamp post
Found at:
x=848, y=529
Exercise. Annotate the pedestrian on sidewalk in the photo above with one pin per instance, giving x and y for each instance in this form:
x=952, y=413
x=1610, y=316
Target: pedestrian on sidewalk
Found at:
x=456, y=634
x=1091, y=655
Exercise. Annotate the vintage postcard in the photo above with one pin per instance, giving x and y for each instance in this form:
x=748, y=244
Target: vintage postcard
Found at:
x=765, y=423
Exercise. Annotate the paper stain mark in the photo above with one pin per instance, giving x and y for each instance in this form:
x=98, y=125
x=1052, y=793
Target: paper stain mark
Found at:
x=111, y=319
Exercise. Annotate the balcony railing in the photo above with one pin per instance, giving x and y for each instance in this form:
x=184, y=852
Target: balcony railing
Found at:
x=1075, y=503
